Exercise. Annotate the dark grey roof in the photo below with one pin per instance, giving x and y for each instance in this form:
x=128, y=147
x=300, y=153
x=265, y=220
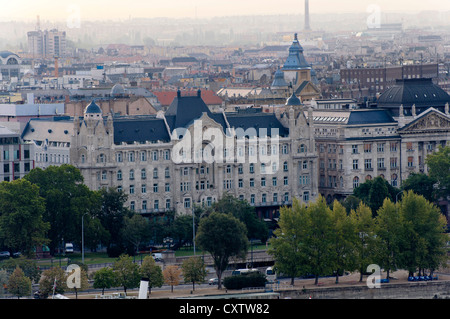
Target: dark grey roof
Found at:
x=296, y=60
x=293, y=100
x=184, y=59
x=364, y=117
x=185, y=109
x=279, y=80
x=140, y=129
x=258, y=121
x=407, y=92
x=93, y=108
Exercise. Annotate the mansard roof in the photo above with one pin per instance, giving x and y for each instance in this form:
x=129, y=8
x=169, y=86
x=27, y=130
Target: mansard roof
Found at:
x=258, y=121
x=369, y=116
x=185, y=109
x=140, y=129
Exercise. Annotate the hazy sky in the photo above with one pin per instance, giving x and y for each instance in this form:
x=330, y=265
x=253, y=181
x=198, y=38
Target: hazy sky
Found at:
x=120, y=9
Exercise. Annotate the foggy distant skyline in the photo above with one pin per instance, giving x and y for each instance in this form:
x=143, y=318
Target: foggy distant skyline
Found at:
x=61, y=10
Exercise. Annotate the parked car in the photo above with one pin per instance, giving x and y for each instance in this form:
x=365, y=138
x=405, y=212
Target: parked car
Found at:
x=213, y=281
x=69, y=248
x=5, y=254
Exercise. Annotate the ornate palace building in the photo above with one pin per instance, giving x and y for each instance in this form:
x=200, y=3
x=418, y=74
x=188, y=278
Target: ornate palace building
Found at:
x=189, y=155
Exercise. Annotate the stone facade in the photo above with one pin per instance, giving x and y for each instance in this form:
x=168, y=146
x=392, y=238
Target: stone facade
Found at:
x=267, y=171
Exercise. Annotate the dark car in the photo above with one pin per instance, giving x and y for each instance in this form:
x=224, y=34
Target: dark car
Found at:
x=5, y=254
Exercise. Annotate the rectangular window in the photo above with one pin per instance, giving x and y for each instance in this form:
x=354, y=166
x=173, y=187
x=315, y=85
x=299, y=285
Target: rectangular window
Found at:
x=380, y=163
x=393, y=162
x=187, y=203
x=368, y=164
x=394, y=146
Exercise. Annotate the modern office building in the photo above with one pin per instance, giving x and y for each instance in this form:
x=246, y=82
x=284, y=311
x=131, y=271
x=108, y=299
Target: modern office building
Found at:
x=15, y=155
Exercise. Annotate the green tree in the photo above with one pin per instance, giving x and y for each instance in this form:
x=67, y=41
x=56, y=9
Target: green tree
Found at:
x=439, y=169
x=378, y=192
x=194, y=270
x=28, y=266
x=388, y=227
x=343, y=238
x=373, y=192
x=66, y=200
x=286, y=246
x=318, y=244
x=150, y=270
x=135, y=230
x=242, y=210
x=18, y=284
x=112, y=217
x=22, y=227
x=420, y=184
x=351, y=203
x=104, y=278
x=224, y=237
x=126, y=272
x=364, y=246
x=423, y=240
x=181, y=230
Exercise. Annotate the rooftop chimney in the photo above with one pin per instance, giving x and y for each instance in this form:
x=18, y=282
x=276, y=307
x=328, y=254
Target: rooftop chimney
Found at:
x=307, y=26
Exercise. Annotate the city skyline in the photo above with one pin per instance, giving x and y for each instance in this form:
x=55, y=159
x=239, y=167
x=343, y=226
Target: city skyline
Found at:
x=116, y=10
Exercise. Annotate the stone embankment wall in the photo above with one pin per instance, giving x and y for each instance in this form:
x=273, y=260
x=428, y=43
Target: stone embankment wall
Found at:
x=413, y=290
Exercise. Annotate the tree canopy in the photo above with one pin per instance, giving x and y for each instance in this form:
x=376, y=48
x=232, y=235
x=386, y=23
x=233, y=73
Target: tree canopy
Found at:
x=224, y=237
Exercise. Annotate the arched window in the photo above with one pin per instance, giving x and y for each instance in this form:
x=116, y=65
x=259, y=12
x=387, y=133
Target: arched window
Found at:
x=303, y=148
x=356, y=182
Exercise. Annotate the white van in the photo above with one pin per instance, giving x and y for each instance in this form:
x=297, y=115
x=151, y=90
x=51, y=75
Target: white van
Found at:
x=271, y=276
x=157, y=256
x=69, y=248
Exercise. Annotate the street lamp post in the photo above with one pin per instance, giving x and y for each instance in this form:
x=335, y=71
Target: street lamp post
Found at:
x=193, y=226
x=82, y=238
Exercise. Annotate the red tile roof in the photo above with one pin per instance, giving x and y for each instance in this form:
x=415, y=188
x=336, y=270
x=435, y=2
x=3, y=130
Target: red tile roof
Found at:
x=208, y=96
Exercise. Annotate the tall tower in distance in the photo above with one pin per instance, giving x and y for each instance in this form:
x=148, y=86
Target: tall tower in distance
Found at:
x=307, y=25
